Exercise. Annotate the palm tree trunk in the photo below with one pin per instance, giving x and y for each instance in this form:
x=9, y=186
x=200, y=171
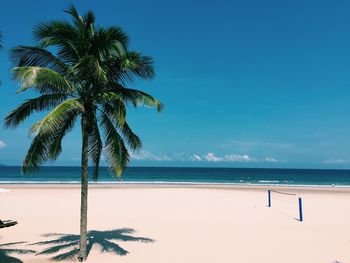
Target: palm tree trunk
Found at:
x=84, y=191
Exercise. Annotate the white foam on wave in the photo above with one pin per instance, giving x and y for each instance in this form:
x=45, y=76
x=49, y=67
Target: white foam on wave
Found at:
x=269, y=181
x=241, y=183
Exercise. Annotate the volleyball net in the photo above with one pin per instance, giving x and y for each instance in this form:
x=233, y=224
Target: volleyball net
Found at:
x=289, y=203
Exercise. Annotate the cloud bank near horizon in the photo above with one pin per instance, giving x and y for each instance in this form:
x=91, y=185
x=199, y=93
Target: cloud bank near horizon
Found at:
x=209, y=157
x=336, y=161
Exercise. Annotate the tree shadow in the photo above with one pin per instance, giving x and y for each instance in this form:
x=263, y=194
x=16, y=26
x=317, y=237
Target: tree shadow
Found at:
x=6, y=253
x=66, y=246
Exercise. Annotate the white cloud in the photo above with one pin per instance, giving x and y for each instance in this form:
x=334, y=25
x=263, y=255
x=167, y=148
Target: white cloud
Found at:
x=196, y=157
x=211, y=157
x=336, y=161
x=234, y=158
x=148, y=156
x=271, y=160
x=238, y=158
x=2, y=144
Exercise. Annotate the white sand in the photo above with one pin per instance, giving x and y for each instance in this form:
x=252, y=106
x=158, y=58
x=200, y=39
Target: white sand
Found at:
x=188, y=224
x=3, y=190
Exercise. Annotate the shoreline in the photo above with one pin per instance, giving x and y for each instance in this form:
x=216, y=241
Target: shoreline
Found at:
x=146, y=185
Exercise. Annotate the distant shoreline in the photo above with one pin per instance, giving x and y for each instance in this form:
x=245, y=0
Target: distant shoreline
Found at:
x=217, y=186
x=191, y=167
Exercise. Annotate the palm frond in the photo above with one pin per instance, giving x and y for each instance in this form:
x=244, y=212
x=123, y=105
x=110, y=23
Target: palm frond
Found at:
x=46, y=145
x=126, y=67
x=54, y=33
x=115, y=150
x=60, y=34
x=139, y=66
x=89, y=20
x=37, y=153
x=110, y=42
x=56, y=118
x=113, y=111
x=90, y=68
x=42, y=79
x=132, y=139
x=137, y=97
x=77, y=19
x=21, y=113
x=36, y=57
x=55, y=147
x=114, y=104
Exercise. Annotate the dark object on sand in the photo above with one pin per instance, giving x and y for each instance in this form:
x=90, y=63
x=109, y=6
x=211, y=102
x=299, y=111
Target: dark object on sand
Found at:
x=7, y=223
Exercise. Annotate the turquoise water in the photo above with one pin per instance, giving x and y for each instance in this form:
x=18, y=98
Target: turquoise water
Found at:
x=12, y=174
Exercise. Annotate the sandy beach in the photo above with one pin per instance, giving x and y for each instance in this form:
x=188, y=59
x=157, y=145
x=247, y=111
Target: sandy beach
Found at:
x=169, y=223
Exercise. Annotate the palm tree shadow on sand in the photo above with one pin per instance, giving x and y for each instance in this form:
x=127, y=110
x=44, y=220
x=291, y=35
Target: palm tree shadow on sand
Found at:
x=6, y=252
x=66, y=246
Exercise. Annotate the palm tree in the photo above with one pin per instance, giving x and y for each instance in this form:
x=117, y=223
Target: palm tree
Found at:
x=81, y=72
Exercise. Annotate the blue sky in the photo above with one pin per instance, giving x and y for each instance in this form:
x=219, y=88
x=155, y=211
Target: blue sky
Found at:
x=245, y=83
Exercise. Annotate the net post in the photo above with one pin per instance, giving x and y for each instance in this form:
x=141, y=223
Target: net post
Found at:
x=269, y=198
x=300, y=209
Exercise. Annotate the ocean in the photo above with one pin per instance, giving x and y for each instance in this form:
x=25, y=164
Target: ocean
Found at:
x=69, y=174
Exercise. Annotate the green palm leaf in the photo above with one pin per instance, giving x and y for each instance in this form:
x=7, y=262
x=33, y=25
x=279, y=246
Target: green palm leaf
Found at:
x=89, y=64
x=56, y=118
x=138, y=98
x=43, y=80
x=44, y=102
x=113, y=113
x=36, y=57
x=110, y=42
x=37, y=153
x=115, y=150
x=55, y=147
x=132, y=139
x=139, y=66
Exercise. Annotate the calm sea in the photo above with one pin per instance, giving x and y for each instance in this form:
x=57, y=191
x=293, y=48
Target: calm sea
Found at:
x=12, y=174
